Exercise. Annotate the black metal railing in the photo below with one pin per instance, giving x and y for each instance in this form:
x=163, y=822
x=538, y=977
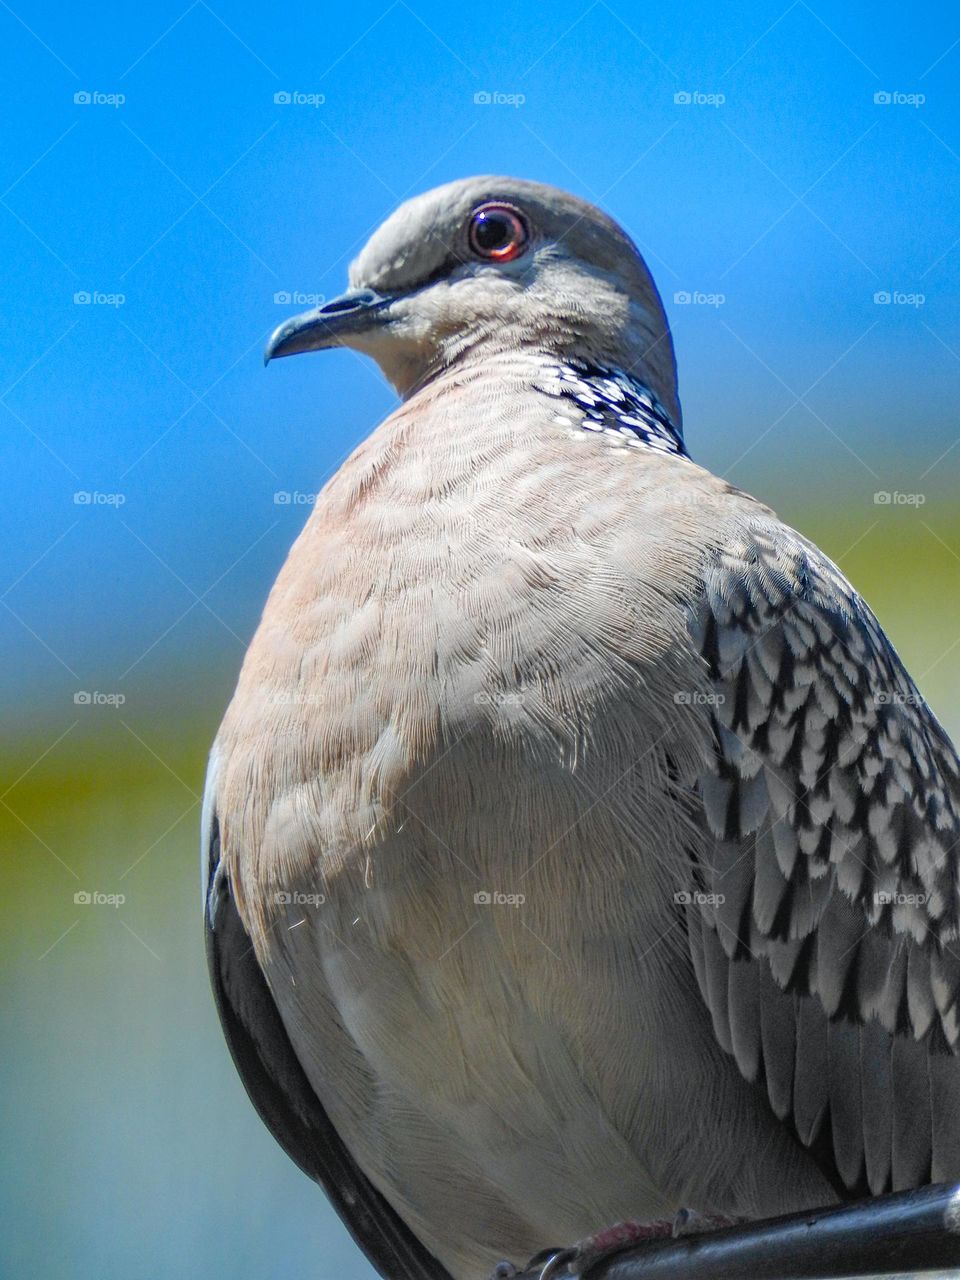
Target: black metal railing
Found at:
x=909, y=1233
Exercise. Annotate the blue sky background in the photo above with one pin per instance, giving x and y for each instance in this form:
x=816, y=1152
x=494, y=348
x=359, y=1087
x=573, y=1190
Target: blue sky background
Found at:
x=798, y=197
x=199, y=198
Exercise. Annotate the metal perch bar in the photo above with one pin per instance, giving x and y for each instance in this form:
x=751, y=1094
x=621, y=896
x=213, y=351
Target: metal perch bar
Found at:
x=909, y=1233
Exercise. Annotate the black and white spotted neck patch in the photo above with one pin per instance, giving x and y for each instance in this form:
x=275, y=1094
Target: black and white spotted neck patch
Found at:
x=610, y=402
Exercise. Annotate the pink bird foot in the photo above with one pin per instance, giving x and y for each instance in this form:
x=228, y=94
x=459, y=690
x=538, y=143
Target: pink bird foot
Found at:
x=574, y=1260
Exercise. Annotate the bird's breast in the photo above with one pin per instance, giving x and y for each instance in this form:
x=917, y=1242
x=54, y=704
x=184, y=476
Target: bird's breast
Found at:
x=456, y=614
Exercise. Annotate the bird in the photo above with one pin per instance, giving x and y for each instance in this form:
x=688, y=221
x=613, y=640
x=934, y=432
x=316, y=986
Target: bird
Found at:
x=577, y=848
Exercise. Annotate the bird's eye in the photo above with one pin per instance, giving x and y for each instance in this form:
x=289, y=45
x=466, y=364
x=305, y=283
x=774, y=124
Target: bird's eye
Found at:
x=497, y=232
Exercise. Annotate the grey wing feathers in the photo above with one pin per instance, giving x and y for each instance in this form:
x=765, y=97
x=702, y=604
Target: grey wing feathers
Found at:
x=281, y=1092
x=827, y=948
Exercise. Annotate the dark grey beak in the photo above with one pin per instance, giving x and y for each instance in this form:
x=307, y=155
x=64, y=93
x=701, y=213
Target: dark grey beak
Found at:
x=327, y=326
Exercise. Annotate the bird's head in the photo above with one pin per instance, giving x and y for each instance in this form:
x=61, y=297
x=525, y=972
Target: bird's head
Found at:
x=489, y=265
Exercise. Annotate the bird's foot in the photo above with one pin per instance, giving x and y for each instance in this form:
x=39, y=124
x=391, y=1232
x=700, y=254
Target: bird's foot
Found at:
x=689, y=1222
x=573, y=1261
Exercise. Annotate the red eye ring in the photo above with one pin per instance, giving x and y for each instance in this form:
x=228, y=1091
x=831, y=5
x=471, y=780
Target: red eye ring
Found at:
x=497, y=232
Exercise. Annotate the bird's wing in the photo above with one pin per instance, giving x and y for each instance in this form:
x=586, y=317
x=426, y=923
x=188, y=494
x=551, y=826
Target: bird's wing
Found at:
x=281, y=1092
x=826, y=940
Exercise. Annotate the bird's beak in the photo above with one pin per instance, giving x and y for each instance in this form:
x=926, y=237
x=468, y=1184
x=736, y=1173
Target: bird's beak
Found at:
x=331, y=325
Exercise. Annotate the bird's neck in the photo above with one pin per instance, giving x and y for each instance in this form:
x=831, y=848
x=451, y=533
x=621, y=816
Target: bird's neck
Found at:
x=588, y=396
x=597, y=398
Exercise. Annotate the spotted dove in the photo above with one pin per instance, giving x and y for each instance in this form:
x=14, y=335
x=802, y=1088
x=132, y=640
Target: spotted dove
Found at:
x=577, y=846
